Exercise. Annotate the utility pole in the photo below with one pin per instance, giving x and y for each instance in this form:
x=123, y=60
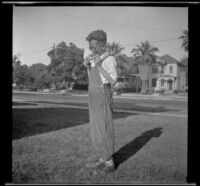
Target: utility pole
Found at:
x=54, y=50
x=53, y=83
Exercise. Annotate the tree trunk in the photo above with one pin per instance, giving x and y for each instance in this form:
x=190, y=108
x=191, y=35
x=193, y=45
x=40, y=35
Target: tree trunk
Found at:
x=150, y=80
x=147, y=86
x=143, y=71
x=144, y=87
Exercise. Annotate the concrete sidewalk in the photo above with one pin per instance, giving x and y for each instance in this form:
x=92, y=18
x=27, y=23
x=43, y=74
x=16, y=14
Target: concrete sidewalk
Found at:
x=124, y=95
x=155, y=96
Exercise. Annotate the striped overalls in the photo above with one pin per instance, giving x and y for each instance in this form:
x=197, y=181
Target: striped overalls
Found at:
x=100, y=103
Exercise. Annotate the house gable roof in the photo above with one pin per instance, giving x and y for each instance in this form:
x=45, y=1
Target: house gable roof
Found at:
x=168, y=59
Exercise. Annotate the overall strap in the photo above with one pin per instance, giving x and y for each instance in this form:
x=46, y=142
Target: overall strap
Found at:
x=104, y=56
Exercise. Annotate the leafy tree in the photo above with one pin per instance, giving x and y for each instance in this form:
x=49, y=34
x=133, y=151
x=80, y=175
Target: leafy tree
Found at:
x=145, y=57
x=66, y=64
x=185, y=41
x=27, y=76
x=40, y=76
x=16, y=65
x=20, y=72
x=38, y=68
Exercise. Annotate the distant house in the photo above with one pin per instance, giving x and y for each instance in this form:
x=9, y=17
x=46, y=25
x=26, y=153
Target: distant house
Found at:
x=169, y=74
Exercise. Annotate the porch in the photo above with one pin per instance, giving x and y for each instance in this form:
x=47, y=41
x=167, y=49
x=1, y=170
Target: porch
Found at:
x=166, y=82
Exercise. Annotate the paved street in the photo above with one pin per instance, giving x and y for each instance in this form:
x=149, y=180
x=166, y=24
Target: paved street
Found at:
x=122, y=103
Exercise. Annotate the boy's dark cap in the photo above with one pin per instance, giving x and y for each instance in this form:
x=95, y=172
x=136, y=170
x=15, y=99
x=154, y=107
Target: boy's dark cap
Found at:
x=98, y=35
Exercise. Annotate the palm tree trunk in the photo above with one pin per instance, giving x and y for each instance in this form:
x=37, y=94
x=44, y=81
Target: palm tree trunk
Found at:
x=150, y=80
x=144, y=87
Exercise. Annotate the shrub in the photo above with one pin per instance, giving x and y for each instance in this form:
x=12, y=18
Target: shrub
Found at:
x=33, y=89
x=78, y=86
x=176, y=91
x=160, y=90
x=186, y=89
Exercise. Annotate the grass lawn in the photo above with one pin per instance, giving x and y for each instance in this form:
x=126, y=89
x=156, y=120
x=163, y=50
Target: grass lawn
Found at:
x=51, y=145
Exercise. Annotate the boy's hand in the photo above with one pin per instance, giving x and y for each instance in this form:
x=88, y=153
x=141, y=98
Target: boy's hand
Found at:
x=86, y=61
x=98, y=61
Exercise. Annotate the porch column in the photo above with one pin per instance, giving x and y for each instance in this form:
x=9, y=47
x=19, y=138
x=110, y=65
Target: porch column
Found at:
x=175, y=83
x=165, y=84
x=156, y=82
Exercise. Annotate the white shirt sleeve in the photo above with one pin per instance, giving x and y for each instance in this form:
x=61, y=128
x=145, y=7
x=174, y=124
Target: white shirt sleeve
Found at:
x=87, y=52
x=109, y=65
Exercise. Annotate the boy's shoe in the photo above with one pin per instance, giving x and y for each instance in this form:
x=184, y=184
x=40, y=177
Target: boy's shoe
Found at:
x=108, y=168
x=104, y=169
x=96, y=164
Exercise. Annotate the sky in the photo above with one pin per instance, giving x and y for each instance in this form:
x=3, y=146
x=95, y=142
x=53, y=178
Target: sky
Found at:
x=36, y=29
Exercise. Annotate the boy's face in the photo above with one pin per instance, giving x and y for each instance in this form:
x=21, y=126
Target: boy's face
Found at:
x=96, y=47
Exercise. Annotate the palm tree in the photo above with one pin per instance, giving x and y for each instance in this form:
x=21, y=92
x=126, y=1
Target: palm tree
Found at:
x=123, y=65
x=114, y=48
x=145, y=57
x=185, y=41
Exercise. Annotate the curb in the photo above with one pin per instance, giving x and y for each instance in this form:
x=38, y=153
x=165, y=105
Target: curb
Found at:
x=114, y=96
x=153, y=97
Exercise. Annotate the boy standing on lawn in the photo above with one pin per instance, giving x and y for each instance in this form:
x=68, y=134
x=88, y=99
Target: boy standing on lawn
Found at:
x=102, y=76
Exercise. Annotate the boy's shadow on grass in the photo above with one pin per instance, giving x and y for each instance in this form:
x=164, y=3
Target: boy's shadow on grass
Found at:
x=32, y=121
x=135, y=145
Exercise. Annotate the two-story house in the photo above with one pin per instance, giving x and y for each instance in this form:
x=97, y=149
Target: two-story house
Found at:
x=169, y=74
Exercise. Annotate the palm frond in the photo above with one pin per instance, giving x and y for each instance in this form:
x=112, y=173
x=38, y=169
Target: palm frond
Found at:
x=115, y=48
x=144, y=53
x=184, y=38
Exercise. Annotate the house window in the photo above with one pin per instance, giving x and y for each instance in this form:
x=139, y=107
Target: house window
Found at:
x=162, y=83
x=171, y=70
x=162, y=70
x=122, y=79
x=119, y=79
x=154, y=70
x=154, y=82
